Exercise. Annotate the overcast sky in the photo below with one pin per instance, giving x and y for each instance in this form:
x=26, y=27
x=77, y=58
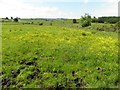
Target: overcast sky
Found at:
x=57, y=8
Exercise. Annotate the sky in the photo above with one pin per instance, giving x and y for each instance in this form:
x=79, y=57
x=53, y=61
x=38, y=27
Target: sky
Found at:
x=57, y=8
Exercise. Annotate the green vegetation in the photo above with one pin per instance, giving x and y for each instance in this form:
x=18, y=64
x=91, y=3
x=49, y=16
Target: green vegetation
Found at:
x=108, y=19
x=74, y=21
x=118, y=25
x=15, y=19
x=86, y=20
x=58, y=54
x=94, y=20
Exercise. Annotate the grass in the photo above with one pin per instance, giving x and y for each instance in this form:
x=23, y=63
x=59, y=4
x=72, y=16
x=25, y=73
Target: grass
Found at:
x=36, y=56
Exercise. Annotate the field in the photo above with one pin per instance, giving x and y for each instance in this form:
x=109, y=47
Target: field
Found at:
x=58, y=56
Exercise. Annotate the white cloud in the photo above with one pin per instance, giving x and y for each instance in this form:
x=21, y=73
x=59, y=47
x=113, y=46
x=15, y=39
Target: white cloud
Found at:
x=20, y=9
x=108, y=9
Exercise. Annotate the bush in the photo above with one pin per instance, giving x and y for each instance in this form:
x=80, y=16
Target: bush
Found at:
x=11, y=17
x=41, y=24
x=15, y=19
x=86, y=23
x=111, y=19
x=7, y=18
x=74, y=21
x=86, y=20
x=51, y=24
x=94, y=19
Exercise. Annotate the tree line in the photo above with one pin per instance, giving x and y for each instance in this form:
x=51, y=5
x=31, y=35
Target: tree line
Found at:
x=108, y=20
x=14, y=19
x=86, y=20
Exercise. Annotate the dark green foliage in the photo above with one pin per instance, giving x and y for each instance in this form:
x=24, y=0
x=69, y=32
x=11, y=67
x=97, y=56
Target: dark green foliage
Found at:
x=7, y=18
x=11, y=17
x=41, y=24
x=15, y=19
x=86, y=20
x=103, y=27
x=51, y=23
x=74, y=21
x=86, y=23
x=94, y=19
x=100, y=20
x=108, y=19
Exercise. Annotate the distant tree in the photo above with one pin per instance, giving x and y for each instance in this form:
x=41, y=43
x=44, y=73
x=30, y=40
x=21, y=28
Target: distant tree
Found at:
x=11, y=17
x=41, y=24
x=16, y=19
x=86, y=20
x=110, y=19
x=74, y=21
x=100, y=20
x=94, y=19
x=7, y=18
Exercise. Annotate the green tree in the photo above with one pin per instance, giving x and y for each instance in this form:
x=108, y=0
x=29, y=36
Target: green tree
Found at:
x=94, y=19
x=7, y=18
x=74, y=21
x=86, y=20
x=15, y=19
x=11, y=17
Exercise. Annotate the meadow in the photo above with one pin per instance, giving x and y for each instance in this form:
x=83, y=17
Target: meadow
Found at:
x=58, y=55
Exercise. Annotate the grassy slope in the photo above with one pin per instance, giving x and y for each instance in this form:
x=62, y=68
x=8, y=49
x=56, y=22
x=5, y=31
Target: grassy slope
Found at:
x=54, y=56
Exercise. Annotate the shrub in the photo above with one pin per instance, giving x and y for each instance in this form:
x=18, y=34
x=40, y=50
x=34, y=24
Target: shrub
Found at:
x=86, y=23
x=11, y=17
x=74, y=21
x=94, y=19
x=15, y=19
x=7, y=18
x=86, y=20
x=41, y=24
x=51, y=24
x=111, y=19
